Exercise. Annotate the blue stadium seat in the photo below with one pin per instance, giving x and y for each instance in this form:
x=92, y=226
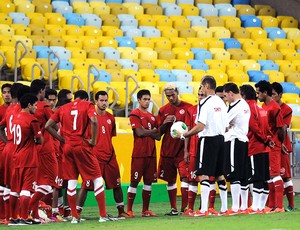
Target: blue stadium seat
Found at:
x=182, y=75
x=197, y=21
x=129, y=22
x=104, y=75
x=62, y=10
x=231, y=43
x=19, y=18
x=171, y=10
x=165, y=75
x=225, y=10
x=250, y=21
x=43, y=52
x=128, y=64
x=242, y=2
x=133, y=32
x=75, y=20
x=184, y=87
x=257, y=75
x=203, y=55
x=268, y=65
x=197, y=64
x=122, y=17
x=65, y=65
x=289, y=87
x=61, y=52
x=150, y=32
x=110, y=53
x=124, y=41
x=274, y=33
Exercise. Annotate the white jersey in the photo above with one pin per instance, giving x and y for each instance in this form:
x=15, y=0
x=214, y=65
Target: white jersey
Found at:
x=238, y=116
x=212, y=113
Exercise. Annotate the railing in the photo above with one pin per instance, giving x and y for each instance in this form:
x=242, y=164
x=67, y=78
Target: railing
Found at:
x=16, y=58
x=72, y=82
x=156, y=106
x=89, y=78
x=126, y=99
x=40, y=67
x=3, y=63
x=49, y=67
x=117, y=96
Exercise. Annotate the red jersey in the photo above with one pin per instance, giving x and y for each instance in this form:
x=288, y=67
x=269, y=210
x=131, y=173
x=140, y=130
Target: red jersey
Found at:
x=43, y=114
x=2, y=115
x=106, y=130
x=258, y=129
x=287, y=117
x=275, y=119
x=190, y=121
x=143, y=146
x=171, y=147
x=74, y=118
x=8, y=119
x=26, y=130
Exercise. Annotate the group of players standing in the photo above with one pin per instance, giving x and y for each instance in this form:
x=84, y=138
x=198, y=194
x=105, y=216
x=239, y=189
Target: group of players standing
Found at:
x=46, y=147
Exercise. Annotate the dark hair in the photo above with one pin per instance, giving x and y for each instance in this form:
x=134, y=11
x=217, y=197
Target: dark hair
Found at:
x=63, y=93
x=102, y=93
x=219, y=89
x=248, y=92
x=36, y=86
x=26, y=99
x=264, y=86
x=81, y=94
x=277, y=87
x=24, y=89
x=210, y=80
x=143, y=92
x=50, y=92
x=6, y=85
x=62, y=97
x=231, y=87
x=14, y=89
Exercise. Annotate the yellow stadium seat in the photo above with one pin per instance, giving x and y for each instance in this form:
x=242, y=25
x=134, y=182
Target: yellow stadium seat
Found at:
x=215, y=21
x=38, y=40
x=289, y=23
x=73, y=30
x=102, y=10
x=44, y=64
x=109, y=41
x=38, y=19
x=237, y=76
x=117, y=8
x=285, y=65
x=112, y=64
x=83, y=75
x=7, y=7
x=124, y=125
x=77, y=53
x=55, y=19
x=26, y=69
x=21, y=29
x=250, y=65
x=238, y=33
x=220, y=32
x=198, y=43
x=216, y=64
x=189, y=10
x=248, y=43
x=116, y=75
x=292, y=33
x=153, y=10
x=5, y=19
x=152, y=87
x=179, y=22
x=284, y=44
x=149, y=75
x=204, y=33
x=275, y=76
x=132, y=73
x=197, y=74
x=25, y=7
x=162, y=64
x=220, y=77
x=267, y=11
x=134, y=9
x=6, y=30
x=244, y=10
x=43, y=7
x=128, y=53
x=220, y=54
x=64, y=80
x=290, y=98
x=190, y=98
x=269, y=22
x=180, y=64
x=147, y=54
x=41, y=31
x=186, y=33
x=231, y=21
x=273, y=55
x=89, y=43
x=266, y=44
x=168, y=32
x=145, y=42
x=55, y=30
x=95, y=54
x=74, y=42
x=256, y=54
x=256, y=33
x=292, y=76
x=237, y=54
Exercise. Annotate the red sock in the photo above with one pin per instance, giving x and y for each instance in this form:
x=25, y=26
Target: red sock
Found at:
x=34, y=204
x=212, y=198
x=271, y=198
x=146, y=199
x=172, y=196
x=14, y=207
x=249, y=200
x=7, y=208
x=120, y=209
x=72, y=202
x=278, y=187
x=130, y=200
x=184, y=198
x=100, y=197
x=48, y=198
x=2, y=208
x=289, y=191
x=24, y=204
x=191, y=199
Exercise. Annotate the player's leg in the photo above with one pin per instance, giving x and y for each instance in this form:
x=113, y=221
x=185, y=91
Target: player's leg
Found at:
x=2, y=208
x=212, y=193
x=288, y=183
x=244, y=171
x=183, y=174
x=192, y=194
x=81, y=198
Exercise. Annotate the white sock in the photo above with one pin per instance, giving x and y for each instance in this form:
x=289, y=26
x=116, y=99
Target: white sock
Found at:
x=205, y=188
x=263, y=199
x=235, y=189
x=223, y=195
x=257, y=193
x=244, y=197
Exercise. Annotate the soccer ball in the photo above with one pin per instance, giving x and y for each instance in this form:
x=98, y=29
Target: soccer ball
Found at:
x=178, y=127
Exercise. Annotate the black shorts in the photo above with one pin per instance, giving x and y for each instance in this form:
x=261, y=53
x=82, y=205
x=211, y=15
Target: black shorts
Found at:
x=235, y=160
x=210, y=156
x=259, y=168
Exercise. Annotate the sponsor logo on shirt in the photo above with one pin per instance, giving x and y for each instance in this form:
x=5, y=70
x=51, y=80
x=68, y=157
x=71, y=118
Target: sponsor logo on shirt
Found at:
x=153, y=118
x=218, y=109
x=108, y=121
x=181, y=111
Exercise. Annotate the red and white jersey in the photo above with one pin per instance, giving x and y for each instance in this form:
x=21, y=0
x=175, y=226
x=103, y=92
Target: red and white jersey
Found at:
x=25, y=131
x=287, y=117
x=171, y=147
x=190, y=122
x=2, y=115
x=258, y=129
x=74, y=118
x=8, y=119
x=106, y=130
x=143, y=146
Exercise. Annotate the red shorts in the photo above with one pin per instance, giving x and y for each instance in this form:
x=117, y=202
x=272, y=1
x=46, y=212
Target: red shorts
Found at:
x=8, y=161
x=47, y=172
x=143, y=167
x=168, y=166
x=275, y=162
x=110, y=173
x=80, y=159
x=192, y=170
x=23, y=179
x=285, y=166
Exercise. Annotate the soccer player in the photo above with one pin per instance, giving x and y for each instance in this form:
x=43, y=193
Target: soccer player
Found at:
x=106, y=156
x=220, y=93
x=190, y=152
x=172, y=151
x=51, y=97
x=78, y=158
x=276, y=123
x=236, y=147
x=6, y=95
x=143, y=161
x=210, y=127
x=286, y=145
x=26, y=135
x=258, y=150
x=64, y=96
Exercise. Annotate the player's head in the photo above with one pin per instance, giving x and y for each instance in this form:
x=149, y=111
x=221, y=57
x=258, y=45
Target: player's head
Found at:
x=248, y=92
x=144, y=97
x=14, y=90
x=263, y=90
x=219, y=92
x=29, y=101
x=208, y=83
x=101, y=99
x=277, y=91
x=171, y=92
x=6, y=95
x=230, y=90
x=24, y=89
x=81, y=94
x=50, y=97
x=38, y=88
x=200, y=94
x=64, y=96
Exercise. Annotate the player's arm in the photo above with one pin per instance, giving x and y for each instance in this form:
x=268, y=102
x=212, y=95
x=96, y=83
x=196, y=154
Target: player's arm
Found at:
x=196, y=129
x=37, y=132
x=254, y=127
x=50, y=127
x=142, y=132
x=186, y=156
x=280, y=125
x=94, y=127
x=169, y=119
x=2, y=133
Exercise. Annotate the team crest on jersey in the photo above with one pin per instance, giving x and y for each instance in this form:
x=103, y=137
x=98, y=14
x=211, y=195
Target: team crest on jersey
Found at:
x=181, y=111
x=108, y=121
x=75, y=103
x=217, y=109
x=153, y=118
